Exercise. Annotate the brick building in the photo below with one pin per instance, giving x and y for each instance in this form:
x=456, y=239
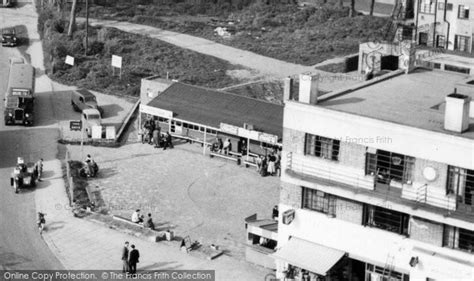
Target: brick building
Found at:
x=378, y=180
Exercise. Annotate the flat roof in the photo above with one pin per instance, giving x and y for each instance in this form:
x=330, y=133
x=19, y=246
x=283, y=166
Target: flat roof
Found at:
x=212, y=107
x=416, y=99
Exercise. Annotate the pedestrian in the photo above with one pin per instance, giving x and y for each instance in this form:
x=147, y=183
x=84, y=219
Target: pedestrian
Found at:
x=125, y=255
x=149, y=222
x=271, y=164
x=39, y=169
x=227, y=146
x=133, y=260
x=136, y=217
x=168, y=141
x=275, y=212
x=156, y=137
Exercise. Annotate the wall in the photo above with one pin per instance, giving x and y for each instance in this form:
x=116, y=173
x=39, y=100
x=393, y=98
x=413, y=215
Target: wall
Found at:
x=426, y=231
x=348, y=210
x=290, y=194
x=151, y=88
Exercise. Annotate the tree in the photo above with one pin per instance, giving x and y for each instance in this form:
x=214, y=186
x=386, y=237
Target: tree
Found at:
x=352, y=11
x=72, y=20
x=372, y=4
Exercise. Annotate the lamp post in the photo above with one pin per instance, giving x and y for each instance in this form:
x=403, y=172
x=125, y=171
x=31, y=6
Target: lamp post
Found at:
x=87, y=26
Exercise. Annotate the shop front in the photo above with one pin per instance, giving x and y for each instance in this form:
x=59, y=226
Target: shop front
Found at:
x=253, y=127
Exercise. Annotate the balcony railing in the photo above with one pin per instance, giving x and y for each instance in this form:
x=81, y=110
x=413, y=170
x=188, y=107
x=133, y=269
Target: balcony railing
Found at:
x=418, y=195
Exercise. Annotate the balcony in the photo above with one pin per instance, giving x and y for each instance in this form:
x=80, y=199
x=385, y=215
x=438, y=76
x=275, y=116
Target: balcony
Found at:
x=358, y=186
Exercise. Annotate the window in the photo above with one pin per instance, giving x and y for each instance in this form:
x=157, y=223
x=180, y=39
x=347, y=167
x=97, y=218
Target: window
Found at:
x=461, y=43
x=440, y=41
x=449, y=6
x=427, y=6
x=319, y=201
x=387, y=166
x=448, y=67
x=423, y=38
x=322, y=147
x=463, y=12
x=458, y=238
x=461, y=183
x=385, y=219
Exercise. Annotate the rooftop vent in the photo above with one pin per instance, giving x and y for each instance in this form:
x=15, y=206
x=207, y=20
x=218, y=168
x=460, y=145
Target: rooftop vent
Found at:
x=456, y=114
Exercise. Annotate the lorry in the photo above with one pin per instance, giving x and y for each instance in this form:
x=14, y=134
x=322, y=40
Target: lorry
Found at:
x=19, y=99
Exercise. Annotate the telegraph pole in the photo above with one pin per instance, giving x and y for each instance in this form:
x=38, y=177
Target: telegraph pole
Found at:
x=87, y=26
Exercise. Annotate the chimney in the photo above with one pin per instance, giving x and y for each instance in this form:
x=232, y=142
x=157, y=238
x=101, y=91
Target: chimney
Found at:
x=456, y=114
x=308, y=92
x=287, y=89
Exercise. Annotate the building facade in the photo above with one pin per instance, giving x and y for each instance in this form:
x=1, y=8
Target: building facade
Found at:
x=447, y=24
x=378, y=189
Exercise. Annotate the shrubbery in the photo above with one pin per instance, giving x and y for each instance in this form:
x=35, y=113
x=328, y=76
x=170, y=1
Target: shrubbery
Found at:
x=142, y=57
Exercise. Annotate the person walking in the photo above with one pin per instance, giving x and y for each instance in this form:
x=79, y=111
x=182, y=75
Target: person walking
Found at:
x=156, y=137
x=125, y=255
x=133, y=260
x=149, y=222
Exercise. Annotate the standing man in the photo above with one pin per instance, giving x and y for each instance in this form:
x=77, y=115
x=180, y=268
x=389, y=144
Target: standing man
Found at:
x=133, y=260
x=126, y=267
x=39, y=169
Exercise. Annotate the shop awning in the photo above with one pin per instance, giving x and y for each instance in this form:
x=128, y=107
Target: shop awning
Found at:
x=310, y=256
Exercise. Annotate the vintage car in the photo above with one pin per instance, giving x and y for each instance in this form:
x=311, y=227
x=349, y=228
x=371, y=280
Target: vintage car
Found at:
x=24, y=175
x=91, y=118
x=83, y=99
x=9, y=37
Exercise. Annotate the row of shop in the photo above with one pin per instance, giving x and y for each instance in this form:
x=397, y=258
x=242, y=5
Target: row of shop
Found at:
x=202, y=115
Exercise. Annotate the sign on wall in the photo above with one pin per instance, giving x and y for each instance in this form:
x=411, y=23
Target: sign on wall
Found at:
x=156, y=111
x=288, y=216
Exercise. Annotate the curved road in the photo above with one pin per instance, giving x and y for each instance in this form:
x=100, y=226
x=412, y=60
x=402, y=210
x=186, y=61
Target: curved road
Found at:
x=21, y=246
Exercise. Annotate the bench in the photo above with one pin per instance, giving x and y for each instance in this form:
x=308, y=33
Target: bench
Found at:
x=152, y=234
x=228, y=157
x=252, y=160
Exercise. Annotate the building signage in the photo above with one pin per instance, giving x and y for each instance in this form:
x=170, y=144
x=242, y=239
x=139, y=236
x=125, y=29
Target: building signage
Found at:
x=288, y=216
x=230, y=129
x=156, y=111
x=116, y=61
x=75, y=125
x=268, y=138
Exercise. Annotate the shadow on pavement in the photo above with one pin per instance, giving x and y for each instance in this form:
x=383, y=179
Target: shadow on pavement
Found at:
x=162, y=265
x=111, y=110
x=10, y=259
x=54, y=226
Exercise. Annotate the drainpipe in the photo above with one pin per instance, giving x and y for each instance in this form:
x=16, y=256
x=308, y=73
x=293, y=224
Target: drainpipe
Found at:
x=416, y=19
x=434, y=23
x=448, y=23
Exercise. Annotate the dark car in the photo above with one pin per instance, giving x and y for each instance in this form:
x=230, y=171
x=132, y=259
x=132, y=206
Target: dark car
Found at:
x=9, y=37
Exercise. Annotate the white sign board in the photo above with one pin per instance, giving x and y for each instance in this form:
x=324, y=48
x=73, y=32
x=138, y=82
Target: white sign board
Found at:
x=156, y=111
x=268, y=138
x=116, y=61
x=96, y=132
x=69, y=60
x=110, y=132
x=231, y=129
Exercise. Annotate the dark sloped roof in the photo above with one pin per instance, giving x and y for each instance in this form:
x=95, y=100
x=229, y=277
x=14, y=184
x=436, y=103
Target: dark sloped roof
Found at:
x=211, y=107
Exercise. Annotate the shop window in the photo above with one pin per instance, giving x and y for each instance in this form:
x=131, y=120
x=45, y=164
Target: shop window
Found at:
x=319, y=201
x=458, y=238
x=196, y=127
x=178, y=123
x=453, y=68
x=185, y=125
x=387, y=166
x=161, y=119
x=463, y=12
x=322, y=147
x=382, y=218
x=461, y=43
x=461, y=182
x=262, y=241
x=202, y=129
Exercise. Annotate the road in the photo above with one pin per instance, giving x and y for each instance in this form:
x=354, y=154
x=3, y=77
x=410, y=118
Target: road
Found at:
x=21, y=246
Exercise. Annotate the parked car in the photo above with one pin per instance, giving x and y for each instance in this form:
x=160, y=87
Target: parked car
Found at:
x=91, y=117
x=9, y=37
x=83, y=99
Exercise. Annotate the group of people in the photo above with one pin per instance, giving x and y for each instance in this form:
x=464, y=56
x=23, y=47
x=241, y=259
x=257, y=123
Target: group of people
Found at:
x=140, y=219
x=90, y=167
x=225, y=147
x=130, y=258
x=269, y=165
x=151, y=134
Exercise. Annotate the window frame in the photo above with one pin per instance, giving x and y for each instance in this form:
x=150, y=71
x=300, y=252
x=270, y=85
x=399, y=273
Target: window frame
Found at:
x=463, y=12
x=318, y=201
x=322, y=147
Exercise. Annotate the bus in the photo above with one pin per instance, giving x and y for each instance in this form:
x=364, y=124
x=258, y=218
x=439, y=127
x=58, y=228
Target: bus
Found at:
x=19, y=100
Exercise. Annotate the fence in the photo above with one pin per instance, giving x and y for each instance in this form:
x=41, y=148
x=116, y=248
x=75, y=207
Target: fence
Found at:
x=69, y=179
